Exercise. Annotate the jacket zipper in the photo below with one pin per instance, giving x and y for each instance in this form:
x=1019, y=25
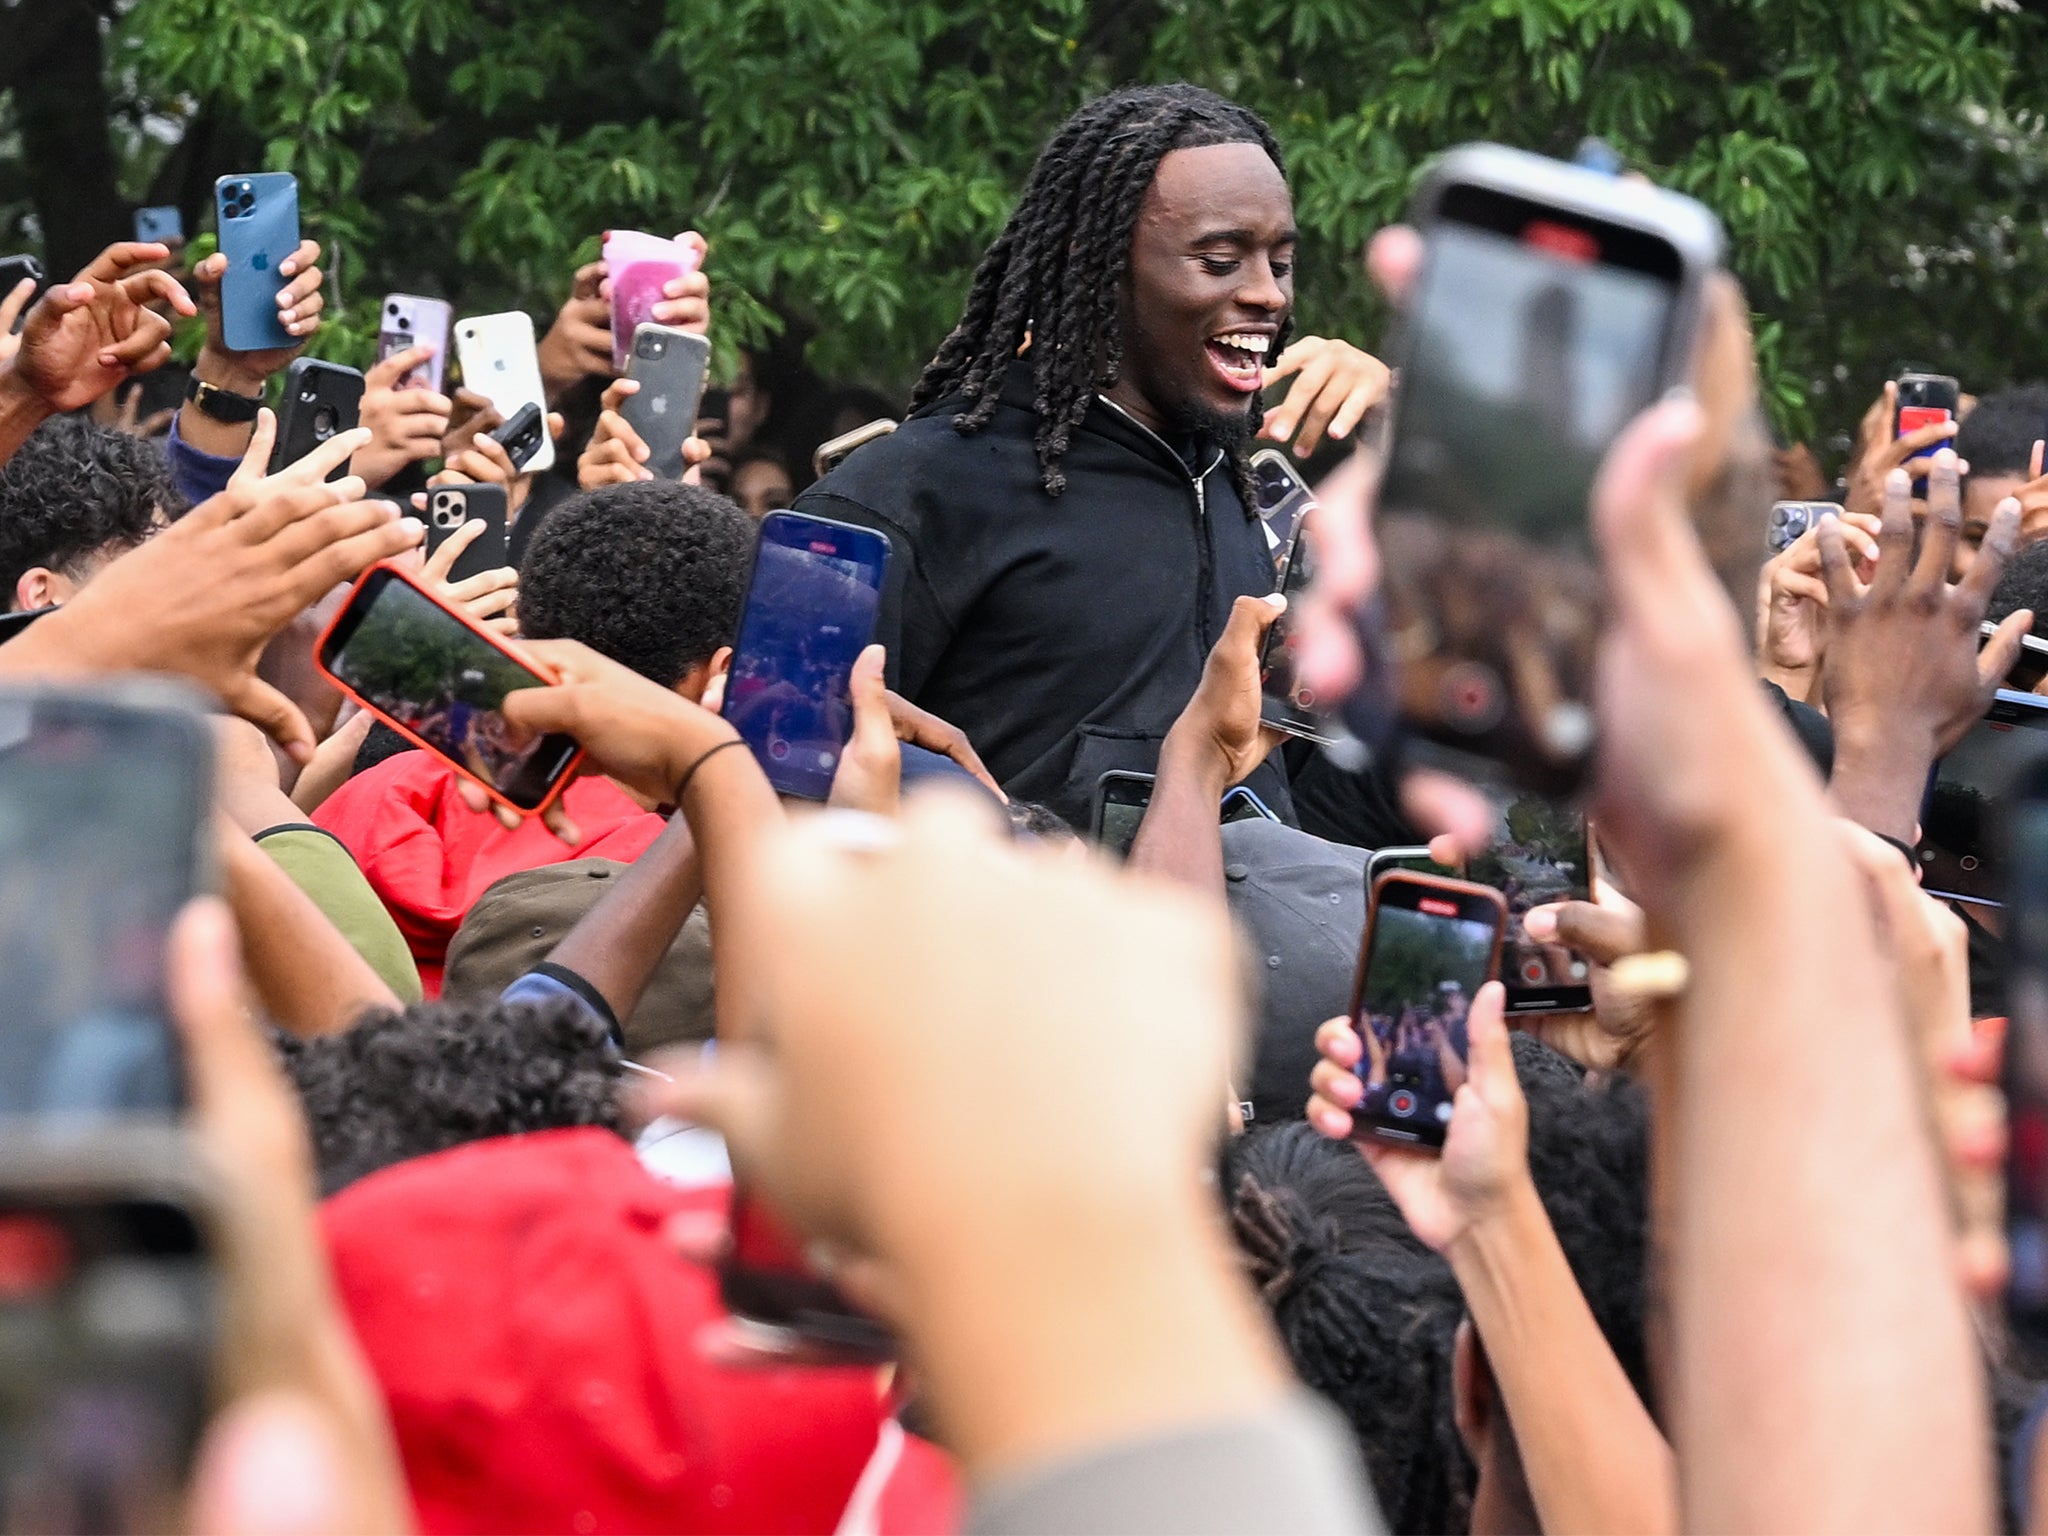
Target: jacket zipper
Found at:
x=1205, y=577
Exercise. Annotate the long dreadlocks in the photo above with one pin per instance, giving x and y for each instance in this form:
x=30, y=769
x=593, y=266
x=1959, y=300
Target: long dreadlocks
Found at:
x=1057, y=270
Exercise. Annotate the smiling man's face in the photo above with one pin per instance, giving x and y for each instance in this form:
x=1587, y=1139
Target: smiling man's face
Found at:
x=1211, y=284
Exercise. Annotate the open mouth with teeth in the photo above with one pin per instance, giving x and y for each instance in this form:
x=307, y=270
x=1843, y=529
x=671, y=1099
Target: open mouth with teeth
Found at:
x=1240, y=358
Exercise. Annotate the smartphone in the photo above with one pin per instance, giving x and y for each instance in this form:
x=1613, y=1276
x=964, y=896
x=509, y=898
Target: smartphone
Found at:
x=14, y=271
x=258, y=219
x=320, y=399
x=1240, y=804
x=670, y=366
x=639, y=266
x=2024, y=837
x=449, y=507
x=162, y=225
x=1554, y=305
x=1430, y=945
x=109, y=1331
x=766, y=1282
x=1283, y=495
x=811, y=608
x=1414, y=860
x=522, y=435
x=498, y=360
x=1791, y=521
x=106, y=826
x=440, y=681
x=833, y=452
x=1959, y=847
x=2030, y=669
x=1924, y=399
x=1539, y=854
x=410, y=321
x=1120, y=802
x=1285, y=702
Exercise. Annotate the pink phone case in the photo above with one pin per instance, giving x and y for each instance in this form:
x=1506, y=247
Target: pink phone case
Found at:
x=639, y=266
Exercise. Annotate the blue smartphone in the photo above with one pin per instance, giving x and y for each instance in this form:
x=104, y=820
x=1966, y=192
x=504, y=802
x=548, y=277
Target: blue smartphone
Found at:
x=259, y=230
x=811, y=609
x=162, y=225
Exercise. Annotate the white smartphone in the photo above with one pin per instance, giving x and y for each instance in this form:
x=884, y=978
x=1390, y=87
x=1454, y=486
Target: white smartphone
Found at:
x=500, y=362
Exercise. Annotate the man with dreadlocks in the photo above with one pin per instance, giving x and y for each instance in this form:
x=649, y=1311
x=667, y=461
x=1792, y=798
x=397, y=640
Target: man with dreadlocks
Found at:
x=1069, y=502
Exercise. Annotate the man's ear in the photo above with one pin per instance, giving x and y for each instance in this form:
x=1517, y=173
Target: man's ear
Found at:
x=705, y=683
x=39, y=587
x=1472, y=1393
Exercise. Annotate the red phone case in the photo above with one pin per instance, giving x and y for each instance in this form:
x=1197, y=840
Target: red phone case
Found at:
x=320, y=650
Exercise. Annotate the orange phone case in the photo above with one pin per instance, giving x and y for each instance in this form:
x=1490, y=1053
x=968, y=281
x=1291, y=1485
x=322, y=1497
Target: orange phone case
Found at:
x=1462, y=889
x=320, y=651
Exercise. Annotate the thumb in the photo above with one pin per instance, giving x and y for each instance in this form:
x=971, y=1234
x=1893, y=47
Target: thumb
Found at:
x=203, y=965
x=1639, y=517
x=262, y=439
x=1489, y=1053
x=1601, y=935
x=1250, y=618
x=283, y=721
x=71, y=296
x=273, y=1465
x=387, y=373
x=870, y=693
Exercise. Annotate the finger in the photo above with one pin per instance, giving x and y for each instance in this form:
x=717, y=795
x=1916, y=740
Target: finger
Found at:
x=442, y=560
x=1489, y=1054
x=306, y=255
x=279, y=718
x=620, y=431
x=1282, y=423
x=150, y=336
x=1330, y=1121
x=386, y=373
x=1601, y=935
x=1356, y=404
x=1810, y=588
x=1335, y=1085
x=1338, y=1042
x=1994, y=554
x=1441, y=806
x=256, y=457
x=731, y=1092
x=1944, y=521
x=558, y=821
x=1292, y=358
x=203, y=975
x=274, y=1461
x=1995, y=660
x=1639, y=516
x=1394, y=261
x=616, y=392
x=144, y=287
x=472, y=795
x=122, y=258
x=1917, y=441
x=349, y=558
x=1837, y=566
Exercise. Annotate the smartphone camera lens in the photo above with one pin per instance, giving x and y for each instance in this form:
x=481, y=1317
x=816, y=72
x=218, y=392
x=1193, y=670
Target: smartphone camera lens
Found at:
x=652, y=346
x=324, y=422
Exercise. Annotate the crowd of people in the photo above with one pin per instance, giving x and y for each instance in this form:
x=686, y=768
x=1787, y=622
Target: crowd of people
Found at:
x=1722, y=1251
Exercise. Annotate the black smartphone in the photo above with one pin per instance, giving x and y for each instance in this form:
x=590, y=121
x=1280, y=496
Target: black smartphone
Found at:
x=105, y=834
x=16, y=270
x=1791, y=521
x=2029, y=668
x=320, y=400
x=1553, y=306
x=1120, y=801
x=2024, y=837
x=1240, y=804
x=1430, y=945
x=440, y=681
x=811, y=608
x=522, y=436
x=1539, y=854
x=670, y=366
x=1924, y=399
x=1284, y=496
x=766, y=1282
x=109, y=1330
x=451, y=506
x=1285, y=702
x=1959, y=847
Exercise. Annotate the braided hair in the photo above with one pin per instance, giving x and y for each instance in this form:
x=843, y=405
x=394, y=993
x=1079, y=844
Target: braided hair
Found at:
x=1056, y=272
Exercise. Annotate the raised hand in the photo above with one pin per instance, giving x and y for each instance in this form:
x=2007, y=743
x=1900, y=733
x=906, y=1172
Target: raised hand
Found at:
x=1335, y=384
x=406, y=424
x=299, y=304
x=94, y=332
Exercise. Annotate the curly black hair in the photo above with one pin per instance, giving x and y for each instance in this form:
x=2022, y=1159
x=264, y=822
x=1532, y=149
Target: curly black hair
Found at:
x=1998, y=437
x=2024, y=585
x=439, y=1075
x=651, y=573
x=1369, y=1316
x=1058, y=270
x=74, y=490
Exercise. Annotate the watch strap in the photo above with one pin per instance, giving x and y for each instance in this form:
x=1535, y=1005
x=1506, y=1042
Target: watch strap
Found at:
x=223, y=404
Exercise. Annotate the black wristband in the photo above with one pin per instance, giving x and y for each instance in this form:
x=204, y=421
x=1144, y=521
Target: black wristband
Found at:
x=223, y=405
x=690, y=772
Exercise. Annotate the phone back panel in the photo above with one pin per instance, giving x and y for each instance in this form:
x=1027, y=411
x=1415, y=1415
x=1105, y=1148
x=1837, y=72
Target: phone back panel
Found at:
x=664, y=411
x=320, y=399
x=259, y=230
x=451, y=506
x=500, y=361
x=410, y=321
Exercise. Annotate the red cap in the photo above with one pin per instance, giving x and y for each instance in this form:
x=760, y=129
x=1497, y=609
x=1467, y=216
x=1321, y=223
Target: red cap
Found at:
x=537, y=1340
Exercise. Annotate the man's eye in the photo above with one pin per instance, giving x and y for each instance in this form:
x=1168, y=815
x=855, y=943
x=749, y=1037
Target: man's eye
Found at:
x=1282, y=268
x=1217, y=266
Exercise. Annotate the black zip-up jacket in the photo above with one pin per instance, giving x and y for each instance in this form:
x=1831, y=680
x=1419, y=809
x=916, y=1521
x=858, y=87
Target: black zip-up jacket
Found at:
x=1064, y=634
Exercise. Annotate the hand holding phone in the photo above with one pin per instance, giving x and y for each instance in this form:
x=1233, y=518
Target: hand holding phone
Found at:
x=670, y=367
x=450, y=508
x=258, y=218
x=440, y=680
x=500, y=362
x=1925, y=400
x=1286, y=703
x=321, y=400
x=410, y=321
x=1430, y=945
x=522, y=436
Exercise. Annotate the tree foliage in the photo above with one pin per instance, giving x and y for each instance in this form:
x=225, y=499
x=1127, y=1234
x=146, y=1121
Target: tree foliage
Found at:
x=1879, y=163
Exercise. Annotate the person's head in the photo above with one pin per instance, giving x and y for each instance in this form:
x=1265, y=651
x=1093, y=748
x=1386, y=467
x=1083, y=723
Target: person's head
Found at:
x=1155, y=223
x=762, y=483
x=2024, y=585
x=438, y=1075
x=748, y=403
x=1997, y=441
x=651, y=573
x=73, y=497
